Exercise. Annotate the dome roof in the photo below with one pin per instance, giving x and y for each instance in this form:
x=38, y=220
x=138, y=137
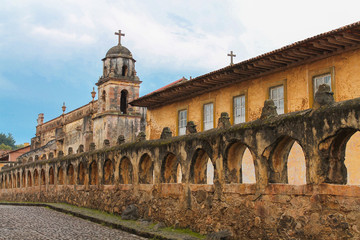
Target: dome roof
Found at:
x=119, y=51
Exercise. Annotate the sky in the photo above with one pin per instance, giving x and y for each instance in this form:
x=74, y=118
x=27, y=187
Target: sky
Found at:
x=51, y=51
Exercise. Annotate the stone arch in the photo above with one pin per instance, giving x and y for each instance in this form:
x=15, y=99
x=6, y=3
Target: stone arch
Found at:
x=332, y=151
x=278, y=156
x=14, y=180
x=81, y=174
x=124, y=101
x=124, y=70
x=170, y=168
x=239, y=164
x=10, y=181
x=60, y=176
x=296, y=165
x=108, y=172
x=23, y=178
x=352, y=153
x=6, y=182
x=202, y=169
x=93, y=173
x=51, y=176
x=2, y=182
x=146, y=168
x=18, y=180
x=29, y=180
x=125, y=171
x=70, y=174
x=36, y=178
x=42, y=177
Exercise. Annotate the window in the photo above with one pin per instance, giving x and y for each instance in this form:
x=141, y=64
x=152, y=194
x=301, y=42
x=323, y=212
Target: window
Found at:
x=322, y=79
x=123, y=101
x=277, y=95
x=239, y=109
x=208, y=116
x=182, y=122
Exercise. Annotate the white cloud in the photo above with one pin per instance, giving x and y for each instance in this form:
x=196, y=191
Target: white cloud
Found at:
x=57, y=35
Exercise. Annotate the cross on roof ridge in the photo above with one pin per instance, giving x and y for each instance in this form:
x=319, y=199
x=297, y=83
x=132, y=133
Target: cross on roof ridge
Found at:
x=231, y=55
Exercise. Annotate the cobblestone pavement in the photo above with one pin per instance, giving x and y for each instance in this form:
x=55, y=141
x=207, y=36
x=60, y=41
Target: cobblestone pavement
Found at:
x=21, y=222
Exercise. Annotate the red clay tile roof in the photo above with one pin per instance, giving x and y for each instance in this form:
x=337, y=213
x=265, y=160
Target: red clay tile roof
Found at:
x=311, y=49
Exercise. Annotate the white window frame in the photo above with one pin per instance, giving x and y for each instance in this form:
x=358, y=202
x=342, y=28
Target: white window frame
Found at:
x=239, y=103
x=277, y=95
x=208, y=116
x=321, y=79
x=182, y=121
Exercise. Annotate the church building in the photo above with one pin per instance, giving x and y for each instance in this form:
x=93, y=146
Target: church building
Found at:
x=101, y=122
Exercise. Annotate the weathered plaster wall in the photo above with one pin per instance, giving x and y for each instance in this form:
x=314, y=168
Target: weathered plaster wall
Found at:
x=297, y=81
x=268, y=209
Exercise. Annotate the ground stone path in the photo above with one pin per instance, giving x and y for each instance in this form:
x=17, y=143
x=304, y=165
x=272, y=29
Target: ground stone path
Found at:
x=21, y=222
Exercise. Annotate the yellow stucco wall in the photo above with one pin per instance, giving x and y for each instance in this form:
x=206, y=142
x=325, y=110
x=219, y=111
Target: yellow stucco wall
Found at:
x=297, y=85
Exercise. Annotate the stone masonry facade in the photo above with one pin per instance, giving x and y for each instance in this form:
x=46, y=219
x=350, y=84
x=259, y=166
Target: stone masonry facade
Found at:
x=145, y=173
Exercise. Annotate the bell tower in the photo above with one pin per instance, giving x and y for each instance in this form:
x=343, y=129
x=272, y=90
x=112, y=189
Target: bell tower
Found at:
x=118, y=86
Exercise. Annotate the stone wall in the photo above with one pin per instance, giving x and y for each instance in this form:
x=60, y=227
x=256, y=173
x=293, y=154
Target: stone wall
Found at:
x=146, y=173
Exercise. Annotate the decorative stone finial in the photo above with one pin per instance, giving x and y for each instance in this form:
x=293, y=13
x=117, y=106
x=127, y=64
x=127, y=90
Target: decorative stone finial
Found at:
x=106, y=143
x=269, y=109
x=70, y=150
x=60, y=153
x=51, y=155
x=80, y=149
x=93, y=94
x=63, y=107
x=166, y=133
x=190, y=127
x=141, y=137
x=120, y=139
x=323, y=96
x=92, y=146
x=224, y=121
x=40, y=119
x=36, y=157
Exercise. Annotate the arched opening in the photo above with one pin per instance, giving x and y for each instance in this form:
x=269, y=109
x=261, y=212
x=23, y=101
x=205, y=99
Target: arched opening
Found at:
x=123, y=101
x=36, y=178
x=296, y=165
x=14, y=180
x=279, y=161
x=51, y=176
x=125, y=171
x=239, y=164
x=29, y=180
x=10, y=181
x=42, y=177
x=2, y=182
x=70, y=175
x=124, y=70
x=43, y=157
x=23, y=178
x=81, y=174
x=179, y=174
x=60, y=176
x=352, y=154
x=108, y=172
x=103, y=100
x=169, y=169
x=202, y=169
x=333, y=151
x=93, y=173
x=6, y=182
x=146, y=168
x=18, y=180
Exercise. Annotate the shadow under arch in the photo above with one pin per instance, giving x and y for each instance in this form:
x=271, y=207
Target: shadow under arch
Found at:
x=125, y=171
x=70, y=174
x=146, y=168
x=278, y=159
x=108, y=172
x=199, y=168
x=234, y=163
x=333, y=156
x=170, y=169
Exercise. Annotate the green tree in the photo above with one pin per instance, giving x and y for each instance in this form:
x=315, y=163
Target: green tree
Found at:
x=7, y=140
x=5, y=147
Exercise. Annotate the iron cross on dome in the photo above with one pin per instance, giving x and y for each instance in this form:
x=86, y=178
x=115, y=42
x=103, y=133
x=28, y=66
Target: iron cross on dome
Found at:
x=120, y=34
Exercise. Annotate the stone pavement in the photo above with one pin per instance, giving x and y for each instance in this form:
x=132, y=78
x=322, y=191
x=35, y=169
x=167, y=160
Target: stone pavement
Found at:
x=26, y=222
